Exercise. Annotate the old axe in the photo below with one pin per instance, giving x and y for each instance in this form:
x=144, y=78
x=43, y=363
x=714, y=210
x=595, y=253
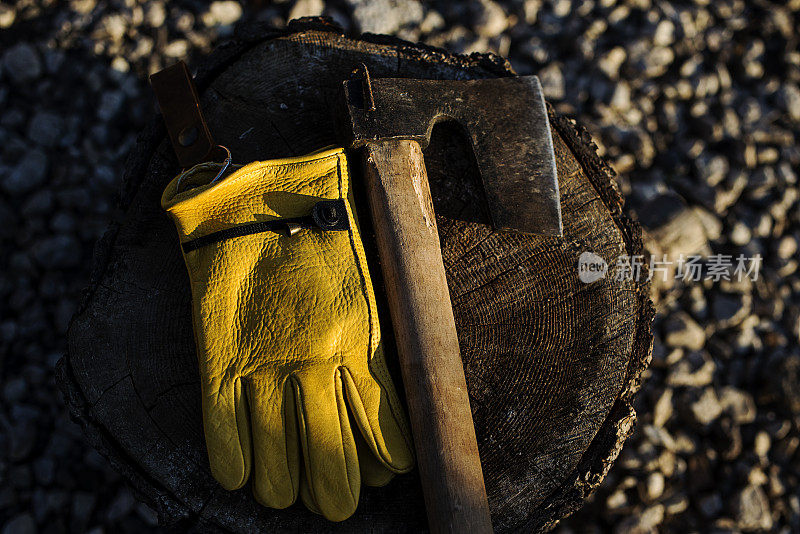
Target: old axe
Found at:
x=392, y=119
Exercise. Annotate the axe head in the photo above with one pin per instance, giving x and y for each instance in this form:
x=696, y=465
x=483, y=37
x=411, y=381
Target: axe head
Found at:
x=506, y=120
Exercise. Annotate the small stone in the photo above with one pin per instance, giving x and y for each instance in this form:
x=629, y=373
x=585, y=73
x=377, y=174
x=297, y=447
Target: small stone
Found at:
x=616, y=500
x=611, y=62
x=433, y=21
x=711, y=224
x=23, y=432
x=642, y=523
x=673, y=227
x=762, y=444
x=776, y=486
x=29, y=174
x=58, y=251
x=490, y=19
x=676, y=504
x=562, y=8
x=664, y=34
x=768, y=155
x=45, y=129
x=531, y=10
x=385, y=16
x=44, y=470
x=753, y=58
x=706, y=408
x=121, y=506
x=82, y=507
x=741, y=234
x=657, y=61
x=110, y=104
x=730, y=309
x=63, y=222
x=663, y=409
x=7, y=497
x=552, y=81
x=223, y=13
x=84, y=7
x=655, y=486
x=115, y=26
x=307, y=8
x=120, y=64
x=738, y=404
x=751, y=509
x=710, y=505
x=756, y=477
x=155, y=14
x=177, y=48
x=7, y=16
x=682, y=331
x=22, y=63
x=14, y=389
x=621, y=97
x=726, y=195
x=712, y=170
x=20, y=524
x=787, y=383
x=787, y=247
x=789, y=97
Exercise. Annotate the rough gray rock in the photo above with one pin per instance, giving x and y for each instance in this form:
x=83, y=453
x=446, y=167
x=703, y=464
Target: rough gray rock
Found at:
x=20, y=524
x=706, y=408
x=307, y=8
x=385, y=16
x=58, y=251
x=730, y=309
x=22, y=64
x=751, y=509
x=680, y=330
x=27, y=175
x=46, y=129
x=490, y=19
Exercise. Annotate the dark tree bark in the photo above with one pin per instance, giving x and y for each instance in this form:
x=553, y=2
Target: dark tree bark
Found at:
x=552, y=364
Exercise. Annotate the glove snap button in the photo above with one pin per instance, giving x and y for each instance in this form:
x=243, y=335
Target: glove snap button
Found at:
x=330, y=215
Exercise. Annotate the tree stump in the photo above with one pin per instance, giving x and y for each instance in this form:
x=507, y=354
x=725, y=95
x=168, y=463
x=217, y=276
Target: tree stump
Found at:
x=552, y=363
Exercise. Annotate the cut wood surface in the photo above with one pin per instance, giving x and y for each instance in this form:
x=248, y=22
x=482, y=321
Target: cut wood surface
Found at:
x=551, y=363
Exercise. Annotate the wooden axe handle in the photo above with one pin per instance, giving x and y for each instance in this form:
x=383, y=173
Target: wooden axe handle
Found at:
x=422, y=316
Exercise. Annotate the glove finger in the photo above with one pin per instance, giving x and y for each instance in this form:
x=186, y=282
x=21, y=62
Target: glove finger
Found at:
x=227, y=430
x=329, y=451
x=380, y=419
x=276, y=461
x=373, y=472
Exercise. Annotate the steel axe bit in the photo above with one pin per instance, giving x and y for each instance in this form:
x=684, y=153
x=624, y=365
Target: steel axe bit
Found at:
x=391, y=119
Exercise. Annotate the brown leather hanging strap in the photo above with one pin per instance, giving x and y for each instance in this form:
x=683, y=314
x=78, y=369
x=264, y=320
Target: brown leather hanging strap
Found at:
x=180, y=107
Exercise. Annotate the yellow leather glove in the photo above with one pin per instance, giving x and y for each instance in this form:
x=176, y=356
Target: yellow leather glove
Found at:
x=287, y=333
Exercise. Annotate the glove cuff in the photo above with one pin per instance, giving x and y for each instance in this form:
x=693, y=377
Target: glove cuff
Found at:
x=257, y=194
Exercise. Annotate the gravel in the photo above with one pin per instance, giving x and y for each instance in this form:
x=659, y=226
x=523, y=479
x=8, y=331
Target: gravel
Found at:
x=695, y=103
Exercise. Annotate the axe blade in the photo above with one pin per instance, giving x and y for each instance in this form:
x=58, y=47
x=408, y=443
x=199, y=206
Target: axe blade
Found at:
x=506, y=121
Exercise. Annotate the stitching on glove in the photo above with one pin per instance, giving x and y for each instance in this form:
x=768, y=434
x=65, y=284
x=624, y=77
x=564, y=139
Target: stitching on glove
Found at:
x=337, y=377
x=246, y=448
x=302, y=433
